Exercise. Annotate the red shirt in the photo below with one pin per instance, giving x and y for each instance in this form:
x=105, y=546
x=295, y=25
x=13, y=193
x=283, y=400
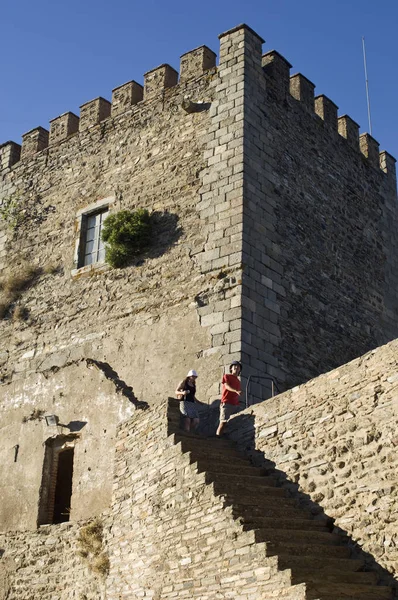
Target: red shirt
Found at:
x=228, y=397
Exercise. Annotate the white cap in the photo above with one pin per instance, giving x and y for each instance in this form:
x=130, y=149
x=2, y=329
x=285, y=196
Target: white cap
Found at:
x=192, y=373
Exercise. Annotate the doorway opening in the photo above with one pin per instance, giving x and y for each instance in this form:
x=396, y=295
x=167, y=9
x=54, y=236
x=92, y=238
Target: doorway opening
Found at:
x=63, y=486
x=57, y=481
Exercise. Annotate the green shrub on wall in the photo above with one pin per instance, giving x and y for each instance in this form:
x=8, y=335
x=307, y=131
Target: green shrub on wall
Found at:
x=126, y=234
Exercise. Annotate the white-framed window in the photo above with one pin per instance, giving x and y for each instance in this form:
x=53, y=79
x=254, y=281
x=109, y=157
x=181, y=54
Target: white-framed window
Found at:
x=89, y=248
x=92, y=248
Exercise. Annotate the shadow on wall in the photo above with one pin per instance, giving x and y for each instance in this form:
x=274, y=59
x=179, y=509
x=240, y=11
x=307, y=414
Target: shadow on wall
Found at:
x=120, y=385
x=165, y=233
x=74, y=426
x=242, y=431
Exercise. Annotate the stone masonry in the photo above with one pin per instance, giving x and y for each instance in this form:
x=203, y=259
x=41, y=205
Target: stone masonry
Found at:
x=172, y=532
x=335, y=439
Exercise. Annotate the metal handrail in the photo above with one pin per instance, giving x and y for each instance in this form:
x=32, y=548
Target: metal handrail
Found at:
x=274, y=385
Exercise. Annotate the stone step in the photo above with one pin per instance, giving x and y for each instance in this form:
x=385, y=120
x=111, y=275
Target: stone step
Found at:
x=206, y=444
x=319, y=564
x=334, y=576
x=307, y=549
x=253, y=480
x=198, y=441
x=297, y=536
x=226, y=454
x=230, y=469
x=255, y=522
x=224, y=487
x=348, y=591
x=261, y=501
x=235, y=470
x=206, y=455
x=231, y=464
x=271, y=512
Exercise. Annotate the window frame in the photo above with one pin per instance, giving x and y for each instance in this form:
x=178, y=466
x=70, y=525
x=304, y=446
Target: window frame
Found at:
x=82, y=216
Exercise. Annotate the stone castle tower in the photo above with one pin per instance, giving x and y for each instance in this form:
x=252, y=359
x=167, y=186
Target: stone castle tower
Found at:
x=274, y=242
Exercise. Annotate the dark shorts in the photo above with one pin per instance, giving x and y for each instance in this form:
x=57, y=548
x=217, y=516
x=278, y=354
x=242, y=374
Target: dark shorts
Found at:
x=188, y=409
x=227, y=410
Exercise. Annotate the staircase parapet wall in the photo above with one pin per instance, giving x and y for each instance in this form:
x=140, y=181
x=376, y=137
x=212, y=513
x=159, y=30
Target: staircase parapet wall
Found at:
x=335, y=438
x=162, y=507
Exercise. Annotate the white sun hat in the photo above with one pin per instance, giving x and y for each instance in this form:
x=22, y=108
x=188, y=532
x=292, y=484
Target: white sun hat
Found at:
x=192, y=373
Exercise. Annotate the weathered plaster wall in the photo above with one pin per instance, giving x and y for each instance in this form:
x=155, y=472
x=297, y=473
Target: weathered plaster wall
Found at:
x=88, y=406
x=336, y=438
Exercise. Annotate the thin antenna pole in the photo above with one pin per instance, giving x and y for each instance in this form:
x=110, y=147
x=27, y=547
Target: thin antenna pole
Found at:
x=367, y=84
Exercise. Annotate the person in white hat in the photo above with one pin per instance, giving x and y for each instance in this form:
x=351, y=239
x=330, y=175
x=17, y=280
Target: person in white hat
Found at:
x=185, y=393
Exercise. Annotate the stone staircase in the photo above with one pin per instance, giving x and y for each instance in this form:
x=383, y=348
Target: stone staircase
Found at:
x=301, y=543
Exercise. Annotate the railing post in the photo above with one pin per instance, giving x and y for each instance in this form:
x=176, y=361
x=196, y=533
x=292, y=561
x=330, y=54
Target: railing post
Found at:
x=269, y=378
x=247, y=391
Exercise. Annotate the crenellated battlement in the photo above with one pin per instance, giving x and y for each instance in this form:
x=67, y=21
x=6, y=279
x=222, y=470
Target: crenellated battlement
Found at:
x=194, y=64
x=126, y=95
x=63, y=126
x=33, y=141
x=348, y=129
x=370, y=148
x=10, y=153
x=302, y=89
x=93, y=112
x=299, y=87
x=327, y=110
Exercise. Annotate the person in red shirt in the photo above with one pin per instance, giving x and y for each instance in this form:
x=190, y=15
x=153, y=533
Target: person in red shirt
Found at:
x=230, y=395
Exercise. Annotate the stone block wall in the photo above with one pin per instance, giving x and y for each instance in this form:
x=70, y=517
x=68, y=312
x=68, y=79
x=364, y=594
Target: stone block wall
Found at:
x=167, y=535
x=300, y=220
x=319, y=236
x=334, y=247
x=286, y=235
x=170, y=536
x=335, y=438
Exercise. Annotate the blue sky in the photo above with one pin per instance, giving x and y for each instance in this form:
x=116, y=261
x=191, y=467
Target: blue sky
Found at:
x=56, y=56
